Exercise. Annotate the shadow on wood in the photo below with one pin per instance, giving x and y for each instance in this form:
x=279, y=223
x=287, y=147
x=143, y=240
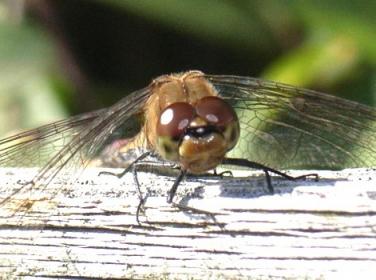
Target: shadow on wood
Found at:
x=307, y=229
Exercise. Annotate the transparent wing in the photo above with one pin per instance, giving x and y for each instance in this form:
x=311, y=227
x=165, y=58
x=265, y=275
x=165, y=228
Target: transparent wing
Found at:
x=287, y=127
x=68, y=146
x=35, y=147
x=116, y=122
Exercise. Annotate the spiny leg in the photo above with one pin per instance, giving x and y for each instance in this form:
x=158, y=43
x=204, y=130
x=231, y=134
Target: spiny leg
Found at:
x=266, y=169
x=133, y=167
x=129, y=167
x=172, y=191
x=142, y=199
x=223, y=173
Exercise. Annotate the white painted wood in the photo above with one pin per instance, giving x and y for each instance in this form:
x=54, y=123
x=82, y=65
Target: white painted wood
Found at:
x=308, y=229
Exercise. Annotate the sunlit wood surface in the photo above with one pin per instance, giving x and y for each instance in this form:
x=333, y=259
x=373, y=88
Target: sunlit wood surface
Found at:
x=307, y=229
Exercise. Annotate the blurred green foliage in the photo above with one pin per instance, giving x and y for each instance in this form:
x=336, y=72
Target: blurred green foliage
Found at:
x=326, y=45
x=27, y=96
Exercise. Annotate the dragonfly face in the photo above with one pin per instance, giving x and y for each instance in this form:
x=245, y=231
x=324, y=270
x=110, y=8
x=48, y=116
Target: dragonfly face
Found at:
x=188, y=123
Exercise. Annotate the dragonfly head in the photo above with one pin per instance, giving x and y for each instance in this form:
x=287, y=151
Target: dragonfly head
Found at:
x=198, y=136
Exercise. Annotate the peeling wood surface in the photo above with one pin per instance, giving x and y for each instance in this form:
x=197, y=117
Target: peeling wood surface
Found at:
x=88, y=229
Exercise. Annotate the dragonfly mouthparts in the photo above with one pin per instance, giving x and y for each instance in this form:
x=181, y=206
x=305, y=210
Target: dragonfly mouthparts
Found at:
x=201, y=131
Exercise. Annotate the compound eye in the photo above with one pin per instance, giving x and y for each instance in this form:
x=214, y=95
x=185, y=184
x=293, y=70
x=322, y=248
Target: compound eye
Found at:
x=170, y=128
x=221, y=115
x=175, y=119
x=215, y=111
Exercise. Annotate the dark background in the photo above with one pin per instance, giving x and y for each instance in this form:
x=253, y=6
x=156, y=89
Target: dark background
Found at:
x=59, y=58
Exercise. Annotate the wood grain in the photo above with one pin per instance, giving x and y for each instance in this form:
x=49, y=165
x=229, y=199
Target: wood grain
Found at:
x=235, y=230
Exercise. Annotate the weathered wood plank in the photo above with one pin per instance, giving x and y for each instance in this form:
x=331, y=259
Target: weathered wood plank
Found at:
x=89, y=230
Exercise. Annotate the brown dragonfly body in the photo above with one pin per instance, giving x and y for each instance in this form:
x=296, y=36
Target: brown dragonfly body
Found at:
x=184, y=103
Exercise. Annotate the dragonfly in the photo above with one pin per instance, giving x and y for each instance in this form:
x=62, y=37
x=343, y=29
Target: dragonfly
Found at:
x=197, y=122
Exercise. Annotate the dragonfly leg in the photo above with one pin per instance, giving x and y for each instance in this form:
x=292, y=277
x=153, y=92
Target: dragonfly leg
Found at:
x=129, y=167
x=223, y=173
x=266, y=169
x=133, y=167
x=268, y=181
x=172, y=191
x=142, y=199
